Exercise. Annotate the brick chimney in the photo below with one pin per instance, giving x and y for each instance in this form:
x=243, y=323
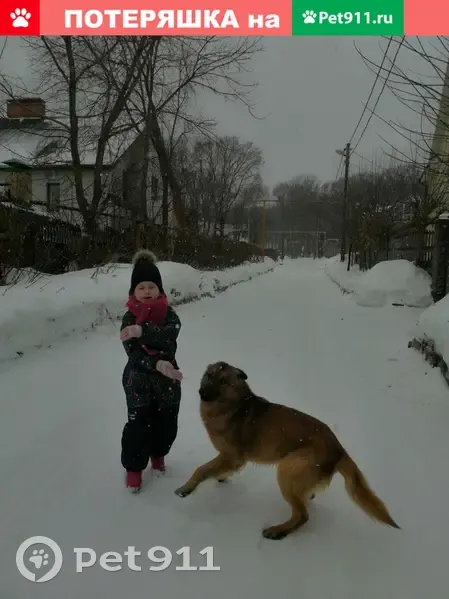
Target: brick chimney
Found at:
x=26, y=108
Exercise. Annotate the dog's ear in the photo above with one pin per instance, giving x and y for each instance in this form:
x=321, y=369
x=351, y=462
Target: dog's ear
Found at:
x=242, y=374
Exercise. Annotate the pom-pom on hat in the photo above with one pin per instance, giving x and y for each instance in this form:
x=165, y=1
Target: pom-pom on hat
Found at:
x=145, y=269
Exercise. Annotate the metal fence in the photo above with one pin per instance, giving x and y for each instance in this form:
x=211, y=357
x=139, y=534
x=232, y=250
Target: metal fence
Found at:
x=297, y=244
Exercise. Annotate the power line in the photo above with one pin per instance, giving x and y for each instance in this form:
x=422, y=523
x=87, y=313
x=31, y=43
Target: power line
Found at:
x=372, y=88
x=365, y=108
x=339, y=168
x=362, y=157
x=393, y=62
x=348, y=152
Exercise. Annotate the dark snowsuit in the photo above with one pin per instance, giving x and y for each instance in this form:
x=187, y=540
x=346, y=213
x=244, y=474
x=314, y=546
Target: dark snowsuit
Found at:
x=152, y=399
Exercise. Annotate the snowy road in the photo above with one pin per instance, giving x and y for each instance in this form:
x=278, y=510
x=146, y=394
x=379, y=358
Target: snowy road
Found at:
x=302, y=343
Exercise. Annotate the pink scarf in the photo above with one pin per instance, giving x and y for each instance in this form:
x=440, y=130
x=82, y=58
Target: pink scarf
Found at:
x=154, y=311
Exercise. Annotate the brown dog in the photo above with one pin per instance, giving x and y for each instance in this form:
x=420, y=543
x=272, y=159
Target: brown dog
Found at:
x=246, y=428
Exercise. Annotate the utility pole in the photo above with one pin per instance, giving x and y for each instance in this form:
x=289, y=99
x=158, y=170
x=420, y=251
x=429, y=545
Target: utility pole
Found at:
x=264, y=227
x=346, y=153
x=282, y=203
x=318, y=226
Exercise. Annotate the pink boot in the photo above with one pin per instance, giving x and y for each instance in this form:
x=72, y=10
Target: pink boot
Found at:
x=158, y=464
x=134, y=481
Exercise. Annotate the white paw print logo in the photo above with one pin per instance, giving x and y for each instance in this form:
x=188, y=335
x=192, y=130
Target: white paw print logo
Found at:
x=20, y=17
x=39, y=558
x=309, y=17
x=46, y=562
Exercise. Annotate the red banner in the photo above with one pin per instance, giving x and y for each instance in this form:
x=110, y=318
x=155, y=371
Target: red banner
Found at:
x=140, y=17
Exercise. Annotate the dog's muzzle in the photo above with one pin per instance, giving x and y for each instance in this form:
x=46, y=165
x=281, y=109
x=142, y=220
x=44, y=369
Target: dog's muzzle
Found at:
x=207, y=393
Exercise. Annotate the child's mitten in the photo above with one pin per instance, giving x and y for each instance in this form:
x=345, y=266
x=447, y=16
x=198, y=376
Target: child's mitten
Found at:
x=131, y=332
x=168, y=370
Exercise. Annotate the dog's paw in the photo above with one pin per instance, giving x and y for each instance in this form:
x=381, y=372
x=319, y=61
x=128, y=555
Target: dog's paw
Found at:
x=181, y=492
x=273, y=533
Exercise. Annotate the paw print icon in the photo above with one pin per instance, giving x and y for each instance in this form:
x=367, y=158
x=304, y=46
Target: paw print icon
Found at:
x=41, y=564
x=20, y=17
x=309, y=17
x=39, y=558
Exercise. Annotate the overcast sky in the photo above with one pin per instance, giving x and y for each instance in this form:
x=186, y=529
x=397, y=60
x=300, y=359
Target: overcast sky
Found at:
x=311, y=92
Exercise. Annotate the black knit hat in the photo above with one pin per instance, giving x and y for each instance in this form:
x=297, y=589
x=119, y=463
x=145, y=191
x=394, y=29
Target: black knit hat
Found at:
x=145, y=269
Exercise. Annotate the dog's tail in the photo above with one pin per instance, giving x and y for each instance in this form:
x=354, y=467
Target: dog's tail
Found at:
x=360, y=493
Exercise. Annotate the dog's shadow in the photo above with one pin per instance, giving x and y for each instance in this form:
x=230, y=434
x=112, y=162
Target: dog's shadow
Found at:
x=223, y=510
x=251, y=501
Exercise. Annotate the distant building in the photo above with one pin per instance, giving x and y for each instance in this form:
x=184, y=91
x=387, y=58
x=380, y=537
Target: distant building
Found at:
x=36, y=168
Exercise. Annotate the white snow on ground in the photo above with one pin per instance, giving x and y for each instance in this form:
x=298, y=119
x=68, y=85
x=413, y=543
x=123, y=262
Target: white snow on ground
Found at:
x=393, y=281
x=338, y=273
x=301, y=342
x=433, y=324
x=40, y=310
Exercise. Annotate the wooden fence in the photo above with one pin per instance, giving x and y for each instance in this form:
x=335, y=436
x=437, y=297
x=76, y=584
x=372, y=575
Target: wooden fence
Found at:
x=406, y=245
x=414, y=248
x=33, y=240
x=30, y=240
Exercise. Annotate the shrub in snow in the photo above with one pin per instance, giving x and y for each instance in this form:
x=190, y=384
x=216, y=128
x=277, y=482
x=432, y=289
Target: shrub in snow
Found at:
x=432, y=336
x=54, y=306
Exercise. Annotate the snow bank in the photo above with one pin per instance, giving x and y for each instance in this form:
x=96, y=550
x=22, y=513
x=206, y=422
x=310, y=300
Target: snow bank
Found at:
x=395, y=281
x=37, y=314
x=389, y=282
x=337, y=272
x=433, y=330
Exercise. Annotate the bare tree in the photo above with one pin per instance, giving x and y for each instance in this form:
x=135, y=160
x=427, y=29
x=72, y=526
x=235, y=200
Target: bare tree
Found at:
x=160, y=106
x=424, y=92
x=219, y=174
x=85, y=108
x=384, y=203
x=99, y=88
x=302, y=202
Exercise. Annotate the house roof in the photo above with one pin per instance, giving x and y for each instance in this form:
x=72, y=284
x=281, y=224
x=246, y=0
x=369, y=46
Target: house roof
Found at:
x=18, y=146
x=35, y=210
x=41, y=144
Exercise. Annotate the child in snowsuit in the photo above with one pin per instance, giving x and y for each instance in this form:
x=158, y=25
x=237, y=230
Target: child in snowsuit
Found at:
x=151, y=379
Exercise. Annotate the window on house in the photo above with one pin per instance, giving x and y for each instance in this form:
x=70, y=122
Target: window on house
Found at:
x=53, y=196
x=408, y=213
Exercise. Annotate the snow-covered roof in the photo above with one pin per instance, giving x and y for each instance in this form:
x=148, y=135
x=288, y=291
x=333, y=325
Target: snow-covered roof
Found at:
x=43, y=144
x=19, y=146
x=31, y=209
